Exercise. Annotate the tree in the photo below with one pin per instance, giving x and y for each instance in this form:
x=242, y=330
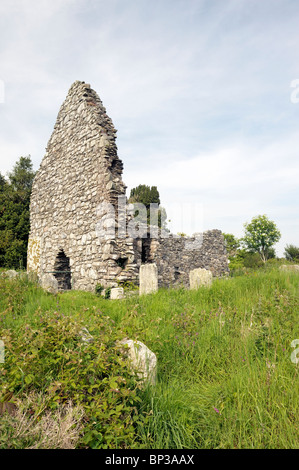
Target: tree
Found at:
x=2, y=183
x=260, y=235
x=148, y=195
x=291, y=252
x=145, y=194
x=14, y=214
x=232, y=244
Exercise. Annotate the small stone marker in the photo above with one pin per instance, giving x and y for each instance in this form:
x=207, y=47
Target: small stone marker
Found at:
x=148, y=278
x=200, y=277
x=117, y=293
x=49, y=283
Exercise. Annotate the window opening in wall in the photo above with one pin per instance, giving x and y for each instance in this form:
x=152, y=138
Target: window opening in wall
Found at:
x=62, y=271
x=122, y=262
x=176, y=273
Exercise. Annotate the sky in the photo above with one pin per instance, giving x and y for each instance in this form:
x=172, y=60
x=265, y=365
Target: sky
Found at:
x=204, y=95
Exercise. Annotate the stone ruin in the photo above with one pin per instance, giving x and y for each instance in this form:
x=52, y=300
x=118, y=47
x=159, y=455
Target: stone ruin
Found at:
x=77, y=226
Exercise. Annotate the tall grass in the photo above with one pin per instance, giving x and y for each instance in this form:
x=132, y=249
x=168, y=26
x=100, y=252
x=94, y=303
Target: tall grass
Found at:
x=225, y=375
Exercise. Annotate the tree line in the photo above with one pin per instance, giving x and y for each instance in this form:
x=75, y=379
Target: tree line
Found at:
x=15, y=191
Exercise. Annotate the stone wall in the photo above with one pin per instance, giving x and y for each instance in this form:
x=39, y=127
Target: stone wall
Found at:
x=175, y=256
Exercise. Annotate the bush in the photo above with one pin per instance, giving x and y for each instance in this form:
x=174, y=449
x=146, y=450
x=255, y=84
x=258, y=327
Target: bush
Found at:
x=291, y=252
x=99, y=289
x=46, y=355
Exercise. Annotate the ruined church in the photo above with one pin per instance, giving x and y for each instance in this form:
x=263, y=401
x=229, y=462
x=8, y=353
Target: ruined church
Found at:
x=77, y=231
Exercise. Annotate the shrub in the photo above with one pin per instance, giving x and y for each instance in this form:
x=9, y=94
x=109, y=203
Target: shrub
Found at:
x=99, y=289
x=50, y=358
x=291, y=252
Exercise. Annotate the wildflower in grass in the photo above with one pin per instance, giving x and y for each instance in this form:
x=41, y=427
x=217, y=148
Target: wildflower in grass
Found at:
x=216, y=409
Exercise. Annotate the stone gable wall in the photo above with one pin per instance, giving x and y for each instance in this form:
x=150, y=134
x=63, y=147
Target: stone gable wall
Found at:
x=79, y=171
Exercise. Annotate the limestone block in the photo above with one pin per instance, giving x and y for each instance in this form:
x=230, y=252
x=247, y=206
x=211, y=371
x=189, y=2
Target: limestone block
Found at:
x=10, y=274
x=49, y=283
x=34, y=252
x=200, y=277
x=290, y=267
x=148, y=279
x=117, y=293
x=92, y=274
x=85, y=335
x=142, y=361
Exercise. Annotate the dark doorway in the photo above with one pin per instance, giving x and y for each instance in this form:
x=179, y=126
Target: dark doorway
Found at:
x=63, y=271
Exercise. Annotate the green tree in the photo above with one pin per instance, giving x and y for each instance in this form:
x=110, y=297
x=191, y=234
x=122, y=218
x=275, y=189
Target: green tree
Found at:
x=145, y=194
x=260, y=235
x=148, y=195
x=291, y=252
x=22, y=175
x=2, y=183
x=14, y=214
x=232, y=244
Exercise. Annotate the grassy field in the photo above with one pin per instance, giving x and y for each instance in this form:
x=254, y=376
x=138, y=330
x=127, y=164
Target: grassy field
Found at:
x=226, y=378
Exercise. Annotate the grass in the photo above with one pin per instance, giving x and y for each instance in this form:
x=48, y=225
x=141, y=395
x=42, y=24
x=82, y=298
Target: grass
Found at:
x=225, y=375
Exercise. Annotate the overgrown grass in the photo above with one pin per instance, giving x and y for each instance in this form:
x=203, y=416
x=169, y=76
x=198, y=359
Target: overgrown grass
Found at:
x=225, y=374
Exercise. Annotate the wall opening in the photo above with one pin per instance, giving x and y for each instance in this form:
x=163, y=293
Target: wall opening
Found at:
x=122, y=262
x=176, y=273
x=146, y=250
x=63, y=271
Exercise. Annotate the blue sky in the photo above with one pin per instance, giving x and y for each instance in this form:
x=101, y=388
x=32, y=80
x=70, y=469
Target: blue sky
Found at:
x=199, y=90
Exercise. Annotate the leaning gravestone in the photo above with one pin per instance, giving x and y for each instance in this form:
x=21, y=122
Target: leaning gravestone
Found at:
x=200, y=277
x=148, y=279
x=143, y=362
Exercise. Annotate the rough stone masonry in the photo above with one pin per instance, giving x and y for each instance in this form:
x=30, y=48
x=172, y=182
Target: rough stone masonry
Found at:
x=79, y=180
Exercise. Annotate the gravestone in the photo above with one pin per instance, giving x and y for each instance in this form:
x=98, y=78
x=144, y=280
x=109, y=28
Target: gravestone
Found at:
x=148, y=279
x=200, y=277
x=117, y=293
x=142, y=361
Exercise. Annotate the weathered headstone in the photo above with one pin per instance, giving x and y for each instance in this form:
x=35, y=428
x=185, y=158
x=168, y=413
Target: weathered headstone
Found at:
x=148, y=279
x=49, y=283
x=142, y=360
x=200, y=277
x=117, y=293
